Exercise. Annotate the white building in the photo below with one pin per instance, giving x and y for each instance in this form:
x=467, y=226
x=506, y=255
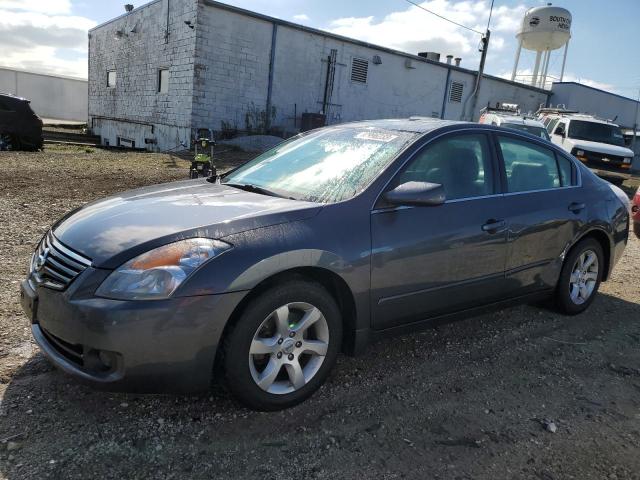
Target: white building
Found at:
x=53, y=97
x=170, y=67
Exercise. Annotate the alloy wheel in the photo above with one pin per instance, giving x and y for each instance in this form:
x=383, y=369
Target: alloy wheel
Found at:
x=584, y=277
x=288, y=348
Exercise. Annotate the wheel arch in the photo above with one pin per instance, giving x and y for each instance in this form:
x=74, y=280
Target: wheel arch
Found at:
x=336, y=286
x=605, y=242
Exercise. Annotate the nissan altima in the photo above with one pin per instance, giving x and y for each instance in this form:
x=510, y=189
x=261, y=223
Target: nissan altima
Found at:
x=332, y=239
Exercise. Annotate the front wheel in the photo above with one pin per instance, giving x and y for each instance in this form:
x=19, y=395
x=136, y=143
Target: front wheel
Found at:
x=580, y=277
x=283, y=346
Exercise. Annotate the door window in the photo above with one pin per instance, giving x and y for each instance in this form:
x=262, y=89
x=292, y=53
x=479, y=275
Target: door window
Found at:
x=531, y=167
x=461, y=163
x=552, y=124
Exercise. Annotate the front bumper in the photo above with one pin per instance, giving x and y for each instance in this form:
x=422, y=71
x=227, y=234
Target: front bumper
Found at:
x=136, y=346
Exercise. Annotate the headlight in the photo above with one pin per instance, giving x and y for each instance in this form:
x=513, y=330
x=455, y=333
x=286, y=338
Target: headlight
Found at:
x=156, y=274
x=627, y=160
x=580, y=153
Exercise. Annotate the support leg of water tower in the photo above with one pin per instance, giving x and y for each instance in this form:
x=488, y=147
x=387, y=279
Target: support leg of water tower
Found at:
x=515, y=65
x=534, y=77
x=545, y=69
x=564, y=60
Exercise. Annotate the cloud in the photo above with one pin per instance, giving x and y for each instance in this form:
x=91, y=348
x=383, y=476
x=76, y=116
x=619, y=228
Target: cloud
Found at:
x=53, y=7
x=47, y=40
x=302, y=17
x=413, y=30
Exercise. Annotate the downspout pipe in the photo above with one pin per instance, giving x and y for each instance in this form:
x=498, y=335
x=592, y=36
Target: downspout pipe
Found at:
x=166, y=32
x=446, y=92
x=272, y=59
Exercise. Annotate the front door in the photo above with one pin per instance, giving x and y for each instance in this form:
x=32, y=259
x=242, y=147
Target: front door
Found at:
x=428, y=261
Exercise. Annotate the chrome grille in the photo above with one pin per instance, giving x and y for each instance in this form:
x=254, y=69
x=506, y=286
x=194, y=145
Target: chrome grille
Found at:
x=55, y=266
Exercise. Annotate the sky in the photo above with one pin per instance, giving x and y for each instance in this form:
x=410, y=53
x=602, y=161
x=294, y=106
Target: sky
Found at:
x=50, y=36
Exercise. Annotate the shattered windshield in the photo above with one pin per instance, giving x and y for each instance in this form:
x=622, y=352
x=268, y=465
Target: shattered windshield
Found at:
x=326, y=166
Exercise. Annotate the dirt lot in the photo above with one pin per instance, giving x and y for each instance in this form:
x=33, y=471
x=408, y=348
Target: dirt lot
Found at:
x=464, y=401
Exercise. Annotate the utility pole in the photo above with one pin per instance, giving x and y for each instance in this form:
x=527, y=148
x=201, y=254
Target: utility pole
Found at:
x=476, y=91
x=485, y=47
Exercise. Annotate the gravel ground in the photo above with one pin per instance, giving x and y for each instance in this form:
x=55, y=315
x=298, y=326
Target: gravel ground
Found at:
x=523, y=393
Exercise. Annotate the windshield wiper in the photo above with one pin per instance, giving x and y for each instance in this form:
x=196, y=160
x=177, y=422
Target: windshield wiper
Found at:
x=248, y=187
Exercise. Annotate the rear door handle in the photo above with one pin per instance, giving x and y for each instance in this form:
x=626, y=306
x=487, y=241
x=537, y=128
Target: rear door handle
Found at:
x=494, y=226
x=576, y=207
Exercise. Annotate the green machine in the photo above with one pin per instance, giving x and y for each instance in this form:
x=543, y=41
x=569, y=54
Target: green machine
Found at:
x=202, y=164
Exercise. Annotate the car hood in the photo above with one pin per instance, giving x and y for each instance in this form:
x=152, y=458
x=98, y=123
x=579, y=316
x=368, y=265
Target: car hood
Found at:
x=111, y=230
x=603, y=148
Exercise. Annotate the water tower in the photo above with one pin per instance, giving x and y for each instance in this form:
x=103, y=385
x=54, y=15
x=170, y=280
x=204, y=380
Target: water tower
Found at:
x=543, y=30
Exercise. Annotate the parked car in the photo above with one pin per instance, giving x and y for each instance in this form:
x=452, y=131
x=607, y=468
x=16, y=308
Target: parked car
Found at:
x=593, y=141
x=635, y=212
x=330, y=240
x=20, y=127
x=511, y=118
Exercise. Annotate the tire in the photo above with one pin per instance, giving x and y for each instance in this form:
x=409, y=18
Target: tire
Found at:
x=570, y=278
x=260, y=343
x=193, y=174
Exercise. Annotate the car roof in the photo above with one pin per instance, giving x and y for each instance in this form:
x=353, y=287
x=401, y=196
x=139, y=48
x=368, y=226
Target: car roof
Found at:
x=11, y=97
x=417, y=125
x=581, y=116
x=520, y=120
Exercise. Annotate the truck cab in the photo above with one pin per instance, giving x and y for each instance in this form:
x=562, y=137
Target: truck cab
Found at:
x=595, y=142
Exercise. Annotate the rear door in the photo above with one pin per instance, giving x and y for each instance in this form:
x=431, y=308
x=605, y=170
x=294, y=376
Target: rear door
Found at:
x=546, y=208
x=428, y=261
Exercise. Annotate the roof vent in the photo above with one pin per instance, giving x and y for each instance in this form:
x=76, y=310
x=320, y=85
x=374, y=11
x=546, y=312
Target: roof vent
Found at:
x=128, y=7
x=433, y=56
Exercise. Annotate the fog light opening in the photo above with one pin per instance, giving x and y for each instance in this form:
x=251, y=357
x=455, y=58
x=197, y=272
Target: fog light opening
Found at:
x=101, y=361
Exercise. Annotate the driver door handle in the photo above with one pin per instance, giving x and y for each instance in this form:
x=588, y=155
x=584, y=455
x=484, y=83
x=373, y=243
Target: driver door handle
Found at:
x=576, y=207
x=494, y=226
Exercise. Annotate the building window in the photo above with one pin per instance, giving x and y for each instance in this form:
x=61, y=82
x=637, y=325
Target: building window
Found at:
x=455, y=92
x=111, y=79
x=163, y=80
x=359, y=70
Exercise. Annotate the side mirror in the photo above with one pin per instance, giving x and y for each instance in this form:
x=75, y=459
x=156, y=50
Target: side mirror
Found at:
x=416, y=194
x=560, y=130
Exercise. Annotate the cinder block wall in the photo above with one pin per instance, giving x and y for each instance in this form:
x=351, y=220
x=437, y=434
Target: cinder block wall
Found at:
x=233, y=54
x=220, y=76
x=136, y=46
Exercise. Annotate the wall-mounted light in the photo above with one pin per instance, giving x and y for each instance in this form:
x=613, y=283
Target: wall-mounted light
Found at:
x=189, y=24
x=377, y=60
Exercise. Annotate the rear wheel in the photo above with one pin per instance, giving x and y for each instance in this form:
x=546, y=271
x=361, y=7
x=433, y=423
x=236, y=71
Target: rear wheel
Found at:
x=283, y=346
x=580, y=278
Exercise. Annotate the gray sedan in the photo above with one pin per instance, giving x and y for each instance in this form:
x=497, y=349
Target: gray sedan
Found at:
x=332, y=239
